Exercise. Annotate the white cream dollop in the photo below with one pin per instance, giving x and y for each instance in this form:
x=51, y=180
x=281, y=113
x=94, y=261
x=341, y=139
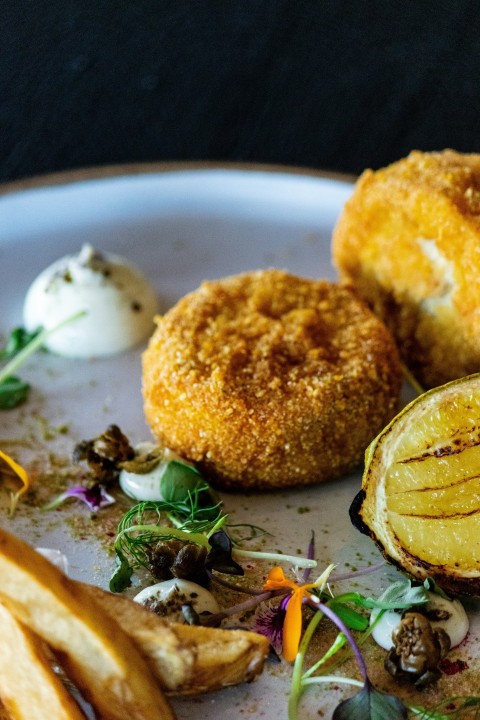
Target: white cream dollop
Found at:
x=118, y=301
x=167, y=598
x=455, y=625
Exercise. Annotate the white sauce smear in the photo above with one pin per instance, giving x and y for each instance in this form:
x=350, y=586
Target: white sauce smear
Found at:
x=456, y=625
x=170, y=595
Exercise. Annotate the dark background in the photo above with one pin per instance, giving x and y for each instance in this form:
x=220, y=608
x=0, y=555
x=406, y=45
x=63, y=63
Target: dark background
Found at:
x=328, y=84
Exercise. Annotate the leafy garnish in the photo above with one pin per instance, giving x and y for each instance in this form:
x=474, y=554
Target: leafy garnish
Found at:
x=370, y=704
x=181, y=482
x=399, y=596
x=190, y=510
x=13, y=392
x=352, y=619
x=19, y=347
x=18, y=339
x=122, y=574
x=452, y=708
x=431, y=585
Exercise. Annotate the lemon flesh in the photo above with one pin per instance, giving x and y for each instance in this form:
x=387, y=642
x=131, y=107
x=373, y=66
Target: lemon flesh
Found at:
x=420, y=498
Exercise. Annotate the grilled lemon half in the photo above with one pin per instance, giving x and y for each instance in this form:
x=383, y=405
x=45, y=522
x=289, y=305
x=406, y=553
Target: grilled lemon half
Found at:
x=420, y=496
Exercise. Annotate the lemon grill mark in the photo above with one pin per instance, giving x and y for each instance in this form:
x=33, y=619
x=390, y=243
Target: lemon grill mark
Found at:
x=440, y=516
x=433, y=488
x=446, y=450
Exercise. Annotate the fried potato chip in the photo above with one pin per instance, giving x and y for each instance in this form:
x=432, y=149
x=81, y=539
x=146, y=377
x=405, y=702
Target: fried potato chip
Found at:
x=187, y=659
x=95, y=652
x=29, y=688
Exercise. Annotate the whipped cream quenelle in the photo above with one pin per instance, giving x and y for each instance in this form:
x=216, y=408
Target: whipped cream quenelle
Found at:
x=118, y=300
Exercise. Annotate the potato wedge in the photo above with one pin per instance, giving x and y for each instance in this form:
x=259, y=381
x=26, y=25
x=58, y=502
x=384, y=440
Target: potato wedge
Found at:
x=97, y=655
x=223, y=657
x=29, y=688
x=187, y=659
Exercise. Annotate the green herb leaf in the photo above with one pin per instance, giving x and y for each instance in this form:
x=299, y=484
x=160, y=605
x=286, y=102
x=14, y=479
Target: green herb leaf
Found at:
x=121, y=577
x=13, y=392
x=431, y=585
x=398, y=596
x=352, y=619
x=370, y=704
x=183, y=485
x=18, y=339
x=178, y=480
x=452, y=708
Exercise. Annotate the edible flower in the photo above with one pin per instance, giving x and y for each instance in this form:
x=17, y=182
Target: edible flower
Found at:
x=269, y=622
x=21, y=474
x=292, y=625
x=95, y=497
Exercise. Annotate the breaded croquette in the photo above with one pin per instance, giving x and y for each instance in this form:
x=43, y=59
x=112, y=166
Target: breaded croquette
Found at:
x=408, y=241
x=269, y=380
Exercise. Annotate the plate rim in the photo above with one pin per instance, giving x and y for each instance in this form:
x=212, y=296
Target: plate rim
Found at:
x=105, y=172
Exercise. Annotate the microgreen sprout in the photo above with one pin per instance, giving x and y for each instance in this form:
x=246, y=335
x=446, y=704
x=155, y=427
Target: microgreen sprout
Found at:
x=189, y=512
x=452, y=708
x=294, y=560
x=20, y=346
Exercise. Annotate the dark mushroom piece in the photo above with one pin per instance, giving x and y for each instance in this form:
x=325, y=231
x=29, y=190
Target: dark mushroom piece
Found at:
x=418, y=649
x=180, y=559
x=104, y=454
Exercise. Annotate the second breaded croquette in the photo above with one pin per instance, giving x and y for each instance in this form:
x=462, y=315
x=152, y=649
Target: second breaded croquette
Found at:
x=408, y=241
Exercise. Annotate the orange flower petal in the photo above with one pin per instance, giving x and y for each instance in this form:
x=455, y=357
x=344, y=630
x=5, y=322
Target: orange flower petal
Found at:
x=276, y=579
x=292, y=626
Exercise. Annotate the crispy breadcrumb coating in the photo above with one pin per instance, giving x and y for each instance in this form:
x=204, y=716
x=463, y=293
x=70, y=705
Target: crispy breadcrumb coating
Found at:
x=268, y=380
x=408, y=241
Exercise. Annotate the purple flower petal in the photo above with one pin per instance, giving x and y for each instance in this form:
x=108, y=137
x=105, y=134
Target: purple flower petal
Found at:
x=269, y=622
x=310, y=556
x=95, y=497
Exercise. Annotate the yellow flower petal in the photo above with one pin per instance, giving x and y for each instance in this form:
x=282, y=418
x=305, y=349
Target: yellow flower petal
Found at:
x=22, y=475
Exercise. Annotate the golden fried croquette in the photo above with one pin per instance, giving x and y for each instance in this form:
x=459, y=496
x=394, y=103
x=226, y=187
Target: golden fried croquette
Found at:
x=408, y=241
x=268, y=380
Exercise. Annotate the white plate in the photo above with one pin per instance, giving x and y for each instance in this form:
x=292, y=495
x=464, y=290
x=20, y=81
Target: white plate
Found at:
x=179, y=226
